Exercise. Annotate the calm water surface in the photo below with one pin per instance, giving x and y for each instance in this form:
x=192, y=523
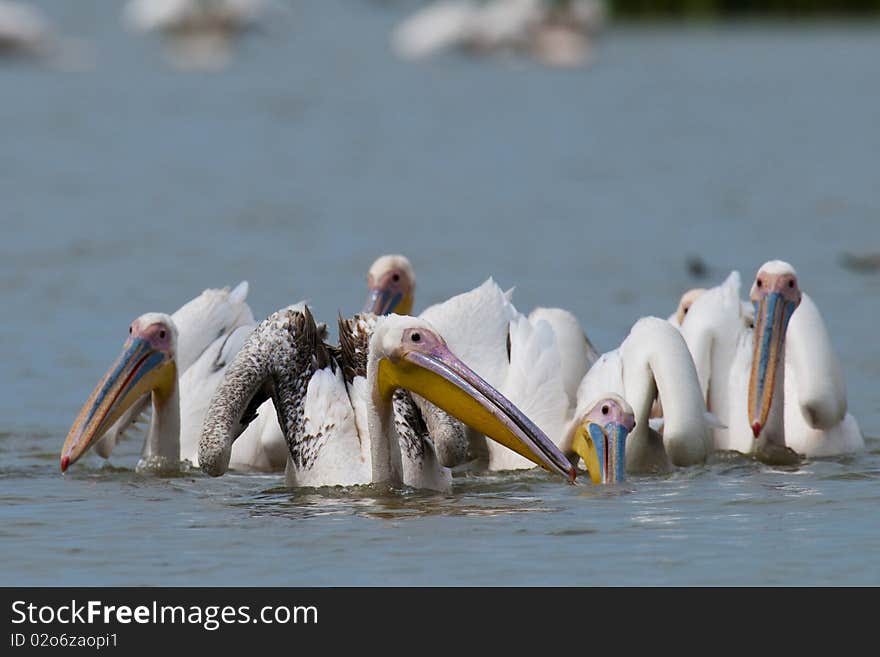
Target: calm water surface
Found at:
x=130, y=187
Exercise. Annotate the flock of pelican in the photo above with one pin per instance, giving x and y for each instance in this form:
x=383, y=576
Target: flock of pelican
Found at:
x=555, y=32
x=399, y=399
x=201, y=33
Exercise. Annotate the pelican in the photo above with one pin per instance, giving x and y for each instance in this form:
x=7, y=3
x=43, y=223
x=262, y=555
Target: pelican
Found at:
x=555, y=33
x=347, y=434
x=654, y=359
x=600, y=439
x=201, y=364
x=23, y=30
x=684, y=305
x=200, y=31
x=198, y=340
x=391, y=284
x=145, y=367
x=210, y=329
x=740, y=354
x=26, y=33
x=551, y=336
x=537, y=361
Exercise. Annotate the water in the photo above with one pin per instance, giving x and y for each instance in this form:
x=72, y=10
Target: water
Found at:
x=130, y=187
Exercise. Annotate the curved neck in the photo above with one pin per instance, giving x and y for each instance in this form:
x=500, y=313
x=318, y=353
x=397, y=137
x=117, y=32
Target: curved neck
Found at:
x=384, y=441
x=163, y=438
x=656, y=359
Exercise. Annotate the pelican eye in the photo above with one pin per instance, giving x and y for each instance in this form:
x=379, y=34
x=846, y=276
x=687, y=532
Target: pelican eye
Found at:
x=416, y=337
x=129, y=330
x=791, y=284
x=162, y=334
x=760, y=283
x=395, y=277
x=605, y=410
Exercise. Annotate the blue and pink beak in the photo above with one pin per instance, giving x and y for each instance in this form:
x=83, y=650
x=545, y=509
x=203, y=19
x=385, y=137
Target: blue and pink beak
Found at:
x=775, y=298
x=145, y=365
x=600, y=440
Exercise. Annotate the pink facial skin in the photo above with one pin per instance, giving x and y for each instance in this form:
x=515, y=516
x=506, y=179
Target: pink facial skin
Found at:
x=608, y=410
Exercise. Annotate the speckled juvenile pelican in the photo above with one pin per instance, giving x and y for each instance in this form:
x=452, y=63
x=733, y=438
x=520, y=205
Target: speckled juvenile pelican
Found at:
x=340, y=419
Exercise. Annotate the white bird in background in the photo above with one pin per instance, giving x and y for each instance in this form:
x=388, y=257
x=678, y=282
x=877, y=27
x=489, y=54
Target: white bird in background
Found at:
x=654, y=360
x=200, y=32
x=684, y=305
x=740, y=378
x=23, y=30
x=535, y=361
x=556, y=33
x=343, y=434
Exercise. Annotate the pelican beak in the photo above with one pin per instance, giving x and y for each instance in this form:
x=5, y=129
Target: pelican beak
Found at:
x=772, y=313
x=440, y=377
x=384, y=300
x=139, y=370
x=603, y=449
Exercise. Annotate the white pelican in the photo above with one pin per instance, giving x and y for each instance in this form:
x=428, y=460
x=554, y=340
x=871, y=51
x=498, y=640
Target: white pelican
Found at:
x=391, y=285
x=199, y=31
x=739, y=376
x=145, y=367
x=556, y=33
x=537, y=361
x=23, y=30
x=202, y=325
x=205, y=334
x=600, y=439
x=684, y=305
x=340, y=434
x=652, y=360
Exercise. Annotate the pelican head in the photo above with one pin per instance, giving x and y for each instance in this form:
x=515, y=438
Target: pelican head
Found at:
x=687, y=300
x=775, y=295
x=391, y=284
x=600, y=438
x=410, y=354
x=146, y=364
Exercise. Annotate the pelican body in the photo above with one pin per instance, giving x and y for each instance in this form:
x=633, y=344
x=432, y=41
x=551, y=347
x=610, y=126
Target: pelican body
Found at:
x=537, y=362
x=654, y=360
x=770, y=373
x=357, y=438
x=202, y=334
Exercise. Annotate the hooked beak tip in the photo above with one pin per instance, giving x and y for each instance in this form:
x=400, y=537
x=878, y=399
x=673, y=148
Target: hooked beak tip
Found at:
x=65, y=462
x=756, y=429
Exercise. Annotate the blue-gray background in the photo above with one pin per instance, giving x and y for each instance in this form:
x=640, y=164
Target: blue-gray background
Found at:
x=130, y=187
